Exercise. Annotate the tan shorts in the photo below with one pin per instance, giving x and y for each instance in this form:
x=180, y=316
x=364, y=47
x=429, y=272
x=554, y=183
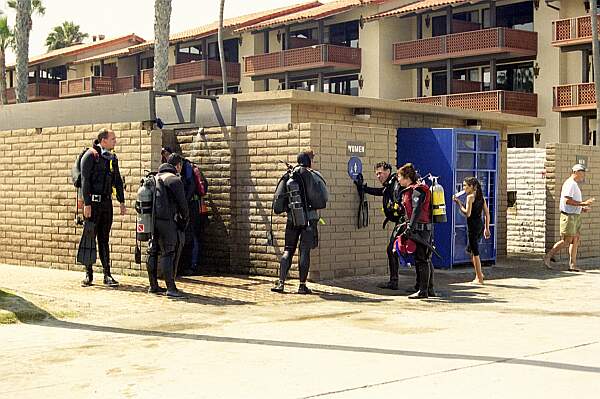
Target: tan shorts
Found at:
x=570, y=225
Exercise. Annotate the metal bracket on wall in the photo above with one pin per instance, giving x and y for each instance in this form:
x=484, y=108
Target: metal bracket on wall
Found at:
x=182, y=121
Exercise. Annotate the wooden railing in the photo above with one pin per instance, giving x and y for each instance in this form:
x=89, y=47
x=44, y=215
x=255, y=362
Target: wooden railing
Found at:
x=303, y=58
x=94, y=85
x=195, y=71
x=466, y=44
x=575, y=97
x=572, y=31
x=46, y=91
x=510, y=102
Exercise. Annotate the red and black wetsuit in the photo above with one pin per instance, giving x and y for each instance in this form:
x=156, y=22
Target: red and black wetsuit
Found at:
x=416, y=200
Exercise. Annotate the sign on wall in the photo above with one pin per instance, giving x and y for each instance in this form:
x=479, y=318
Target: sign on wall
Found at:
x=356, y=148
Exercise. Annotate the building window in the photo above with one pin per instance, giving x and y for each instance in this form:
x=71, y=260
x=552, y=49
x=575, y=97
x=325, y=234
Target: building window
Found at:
x=230, y=48
x=511, y=77
x=438, y=26
x=438, y=83
x=516, y=16
x=512, y=199
x=147, y=63
x=346, y=85
x=344, y=34
x=520, y=140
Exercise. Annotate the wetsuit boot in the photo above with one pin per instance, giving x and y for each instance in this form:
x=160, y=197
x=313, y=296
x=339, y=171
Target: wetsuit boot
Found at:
x=89, y=276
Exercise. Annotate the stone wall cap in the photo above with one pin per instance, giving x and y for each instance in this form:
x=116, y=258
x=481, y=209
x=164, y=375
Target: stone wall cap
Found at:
x=306, y=97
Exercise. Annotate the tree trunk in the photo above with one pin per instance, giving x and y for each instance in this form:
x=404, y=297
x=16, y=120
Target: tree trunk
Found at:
x=22, y=28
x=3, y=99
x=596, y=59
x=221, y=51
x=162, y=22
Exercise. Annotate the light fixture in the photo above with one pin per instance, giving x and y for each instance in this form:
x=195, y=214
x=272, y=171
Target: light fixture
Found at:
x=537, y=136
x=279, y=36
x=427, y=81
x=427, y=20
x=536, y=70
x=361, y=82
x=536, y=4
x=240, y=40
x=364, y=114
x=361, y=22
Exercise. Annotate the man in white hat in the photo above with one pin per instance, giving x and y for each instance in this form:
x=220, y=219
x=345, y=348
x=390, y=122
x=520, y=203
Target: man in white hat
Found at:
x=571, y=206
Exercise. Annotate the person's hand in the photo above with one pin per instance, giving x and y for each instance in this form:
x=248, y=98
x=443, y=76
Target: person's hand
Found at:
x=586, y=209
x=87, y=211
x=455, y=199
x=486, y=233
x=588, y=202
x=123, y=209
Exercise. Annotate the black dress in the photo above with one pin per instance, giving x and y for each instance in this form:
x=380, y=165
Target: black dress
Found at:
x=475, y=226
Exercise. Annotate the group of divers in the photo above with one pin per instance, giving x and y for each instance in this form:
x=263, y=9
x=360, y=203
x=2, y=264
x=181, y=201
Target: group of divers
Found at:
x=169, y=198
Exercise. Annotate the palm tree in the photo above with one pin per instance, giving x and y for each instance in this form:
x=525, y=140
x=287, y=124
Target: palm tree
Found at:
x=596, y=59
x=221, y=51
x=6, y=38
x=23, y=26
x=64, y=35
x=162, y=22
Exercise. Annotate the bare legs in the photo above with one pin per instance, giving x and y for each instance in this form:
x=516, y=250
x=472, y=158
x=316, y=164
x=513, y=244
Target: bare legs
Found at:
x=478, y=272
x=573, y=243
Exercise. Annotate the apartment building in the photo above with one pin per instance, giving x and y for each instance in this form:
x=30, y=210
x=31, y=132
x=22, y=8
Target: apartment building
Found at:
x=524, y=57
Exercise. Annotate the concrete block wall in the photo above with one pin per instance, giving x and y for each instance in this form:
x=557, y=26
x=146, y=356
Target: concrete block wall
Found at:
x=559, y=160
x=37, y=199
x=526, y=221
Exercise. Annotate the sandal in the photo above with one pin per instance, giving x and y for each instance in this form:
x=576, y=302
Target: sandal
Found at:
x=574, y=270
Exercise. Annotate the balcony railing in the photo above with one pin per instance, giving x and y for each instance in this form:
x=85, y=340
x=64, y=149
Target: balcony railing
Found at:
x=466, y=44
x=572, y=31
x=47, y=91
x=575, y=97
x=195, y=71
x=510, y=102
x=97, y=85
x=319, y=56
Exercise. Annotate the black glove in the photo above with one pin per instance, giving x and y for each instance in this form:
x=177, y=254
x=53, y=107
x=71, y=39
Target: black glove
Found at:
x=359, y=183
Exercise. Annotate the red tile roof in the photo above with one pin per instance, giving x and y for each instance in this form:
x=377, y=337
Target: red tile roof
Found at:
x=232, y=23
x=82, y=48
x=323, y=11
x=421, y=6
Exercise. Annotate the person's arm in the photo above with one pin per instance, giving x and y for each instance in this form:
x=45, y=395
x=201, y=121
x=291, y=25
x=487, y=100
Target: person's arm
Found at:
x=586, y=203
x=176, y=186
x=486, y=212
x=190, y=182
x=378, y=192
x=466, y=208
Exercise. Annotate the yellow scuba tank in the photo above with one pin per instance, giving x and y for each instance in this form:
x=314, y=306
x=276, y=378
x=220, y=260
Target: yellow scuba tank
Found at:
x=438, y=202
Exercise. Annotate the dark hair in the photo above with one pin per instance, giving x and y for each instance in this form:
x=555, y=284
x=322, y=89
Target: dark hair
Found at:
x=175, y=159
x=408, y=170
x=103, y=134
x=384, y=165
x=167, y=149
x=305, y=158
x=473, y=182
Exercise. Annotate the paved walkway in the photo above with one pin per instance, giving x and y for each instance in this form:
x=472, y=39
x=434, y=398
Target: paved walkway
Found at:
x=527, y=333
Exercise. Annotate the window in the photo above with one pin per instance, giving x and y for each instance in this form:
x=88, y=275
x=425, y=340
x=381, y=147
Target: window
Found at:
x=438, y=25
x=512, y=199
x=511, y=77
x=230, y=48
x=96, y=70
x=346, y=85
x=520, y=140
x=438, y=83
x=147, y=63
x=344, y=34
x=516, y=16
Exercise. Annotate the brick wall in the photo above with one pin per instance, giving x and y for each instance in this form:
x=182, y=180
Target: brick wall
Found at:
x=37, y=199
x=526, y=221
x=559, y=160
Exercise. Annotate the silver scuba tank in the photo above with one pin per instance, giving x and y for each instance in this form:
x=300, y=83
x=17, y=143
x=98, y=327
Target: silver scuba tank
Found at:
x=144, y=207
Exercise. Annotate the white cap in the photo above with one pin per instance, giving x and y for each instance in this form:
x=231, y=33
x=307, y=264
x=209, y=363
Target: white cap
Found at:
x=578, y=167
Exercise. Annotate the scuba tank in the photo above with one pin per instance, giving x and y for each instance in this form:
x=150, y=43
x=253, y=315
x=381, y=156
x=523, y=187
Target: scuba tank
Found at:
x=144, y=206
x=296, y=205
x=438, y=202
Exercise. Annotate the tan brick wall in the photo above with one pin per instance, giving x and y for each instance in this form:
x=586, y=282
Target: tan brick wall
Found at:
x=37, y=199
x=559, y=160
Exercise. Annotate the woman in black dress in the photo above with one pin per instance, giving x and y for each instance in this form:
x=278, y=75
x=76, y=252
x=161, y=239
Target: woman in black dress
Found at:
x=473, y=209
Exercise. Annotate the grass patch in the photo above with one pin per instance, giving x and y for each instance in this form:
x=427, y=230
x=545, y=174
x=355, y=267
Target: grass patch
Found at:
x=15, y=309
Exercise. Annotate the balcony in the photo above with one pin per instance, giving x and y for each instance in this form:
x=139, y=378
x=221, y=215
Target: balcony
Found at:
x=574, y=98
x=299, y=59
x=572, y=31
x=195, y=71
x=509, y=102
x=97, y=85
x=502, y=42
x=47, y=91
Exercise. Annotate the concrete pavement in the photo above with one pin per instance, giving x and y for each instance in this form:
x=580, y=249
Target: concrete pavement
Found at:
x=528, y=332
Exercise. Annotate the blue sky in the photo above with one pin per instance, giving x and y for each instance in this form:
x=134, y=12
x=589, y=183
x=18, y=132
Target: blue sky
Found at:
x=121, y=17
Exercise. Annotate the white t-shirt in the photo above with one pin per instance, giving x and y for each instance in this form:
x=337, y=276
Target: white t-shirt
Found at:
x=570, y=189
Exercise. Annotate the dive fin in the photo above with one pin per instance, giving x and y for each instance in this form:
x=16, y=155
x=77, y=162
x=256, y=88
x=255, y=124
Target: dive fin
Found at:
x=86, y=252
